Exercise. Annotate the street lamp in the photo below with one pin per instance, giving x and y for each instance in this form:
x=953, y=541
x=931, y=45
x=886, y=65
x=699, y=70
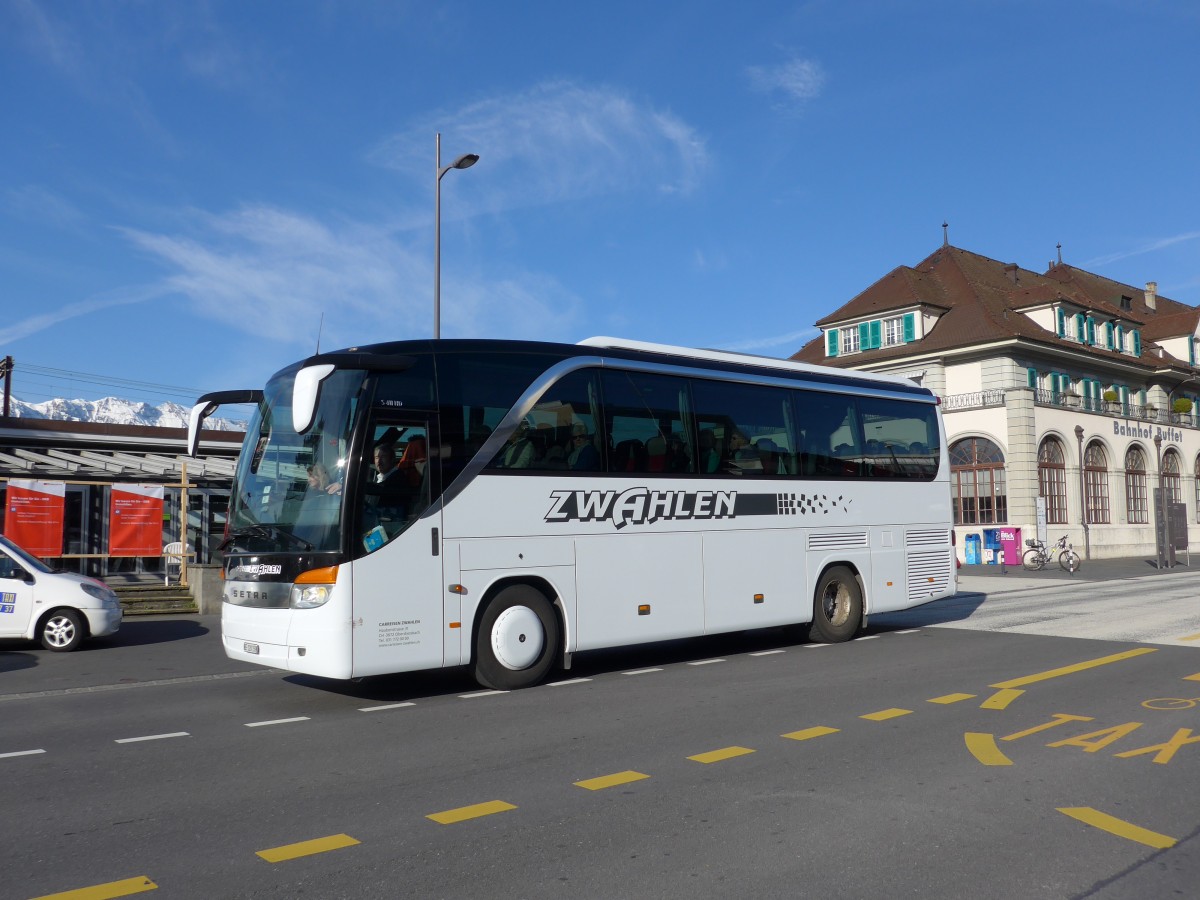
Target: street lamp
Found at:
x=1087, y=537
x=463, y=162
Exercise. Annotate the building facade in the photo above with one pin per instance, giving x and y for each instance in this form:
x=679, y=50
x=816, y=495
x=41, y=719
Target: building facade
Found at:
x=1064, y=386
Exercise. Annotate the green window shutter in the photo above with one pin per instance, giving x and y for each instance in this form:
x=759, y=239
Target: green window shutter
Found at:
x=1080, y=333
x=910, y=328
x=831, y=348
x=1060, y=322
x=1031, y=376
x=864, y=336
x=876, y=334
x=1108, y=335
x=1091, y=330
x=1192, y=351
x=1137, y=343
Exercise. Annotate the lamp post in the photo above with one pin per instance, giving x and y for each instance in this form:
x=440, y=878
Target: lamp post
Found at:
x=1161, y=521
x=1087, y=536
x=463, y=162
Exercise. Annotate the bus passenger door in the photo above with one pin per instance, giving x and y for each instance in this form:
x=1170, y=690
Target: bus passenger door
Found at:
x=397, y=578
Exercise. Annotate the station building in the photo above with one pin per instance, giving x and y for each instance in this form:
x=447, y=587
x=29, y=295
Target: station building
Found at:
x=84, y=461
x=1061, y=385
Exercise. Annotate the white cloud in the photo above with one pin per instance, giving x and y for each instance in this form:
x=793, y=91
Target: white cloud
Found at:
x=558, y=141
x=797, y=80
x=794, y=339
x=274, y=274
x=1150, y=247
x=36, y=203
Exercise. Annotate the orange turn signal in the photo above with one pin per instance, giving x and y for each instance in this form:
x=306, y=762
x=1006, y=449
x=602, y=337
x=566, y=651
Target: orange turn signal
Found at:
x=326, y=575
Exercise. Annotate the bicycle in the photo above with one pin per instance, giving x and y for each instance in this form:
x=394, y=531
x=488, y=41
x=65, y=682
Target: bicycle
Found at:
x=1038, y=555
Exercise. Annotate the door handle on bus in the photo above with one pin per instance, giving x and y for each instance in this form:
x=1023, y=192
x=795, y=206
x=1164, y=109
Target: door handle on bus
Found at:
x=434, y=535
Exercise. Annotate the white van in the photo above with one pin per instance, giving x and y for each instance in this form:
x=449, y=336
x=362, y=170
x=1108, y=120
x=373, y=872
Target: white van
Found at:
x=58, y=608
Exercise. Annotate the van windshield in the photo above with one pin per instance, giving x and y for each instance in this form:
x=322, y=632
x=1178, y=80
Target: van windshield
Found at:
x=288, y=488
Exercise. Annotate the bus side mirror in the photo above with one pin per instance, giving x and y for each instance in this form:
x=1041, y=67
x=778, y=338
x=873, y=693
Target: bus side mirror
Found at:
x=305, y=391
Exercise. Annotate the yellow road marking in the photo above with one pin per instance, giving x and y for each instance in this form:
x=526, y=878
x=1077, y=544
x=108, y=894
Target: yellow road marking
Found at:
x=607, y=781
x=1119, y=827
x=884, y=714
x=307, y=848
x=983, y=748
x=1195, y=677
x=809, y=733
x=951, y=698
x=463, y=813
x=718, y=755
x=1191, y=637
x=1001, y=699
x=1071, y=670
x=106, y=891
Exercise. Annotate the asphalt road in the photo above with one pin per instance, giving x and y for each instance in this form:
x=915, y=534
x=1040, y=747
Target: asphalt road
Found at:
x=947, y=753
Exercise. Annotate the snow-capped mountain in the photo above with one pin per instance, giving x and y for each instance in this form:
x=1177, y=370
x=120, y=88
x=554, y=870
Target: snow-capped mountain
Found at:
x=115, y=411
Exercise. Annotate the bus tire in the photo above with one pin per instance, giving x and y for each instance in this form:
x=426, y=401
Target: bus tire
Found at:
x=61, y=631
x=837, y=607
x=518, y=639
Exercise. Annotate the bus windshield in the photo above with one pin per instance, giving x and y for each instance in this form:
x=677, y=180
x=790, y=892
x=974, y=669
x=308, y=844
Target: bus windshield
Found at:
x=287, y=491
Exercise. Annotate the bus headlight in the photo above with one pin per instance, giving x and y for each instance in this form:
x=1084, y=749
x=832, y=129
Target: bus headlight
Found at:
x=310, y=596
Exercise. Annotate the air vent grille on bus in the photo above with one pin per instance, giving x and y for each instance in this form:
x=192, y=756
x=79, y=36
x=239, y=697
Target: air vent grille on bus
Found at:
x=927, y=537
x=844, y=541
x=928, y=573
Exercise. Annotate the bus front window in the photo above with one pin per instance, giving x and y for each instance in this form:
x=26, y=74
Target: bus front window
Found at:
x=287, y=491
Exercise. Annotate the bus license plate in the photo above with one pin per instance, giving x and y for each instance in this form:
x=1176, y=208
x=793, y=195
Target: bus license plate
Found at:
x=250, y=648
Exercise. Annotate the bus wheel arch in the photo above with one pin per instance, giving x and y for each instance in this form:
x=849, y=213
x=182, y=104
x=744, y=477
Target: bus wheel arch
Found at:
x=839, y=604
x=518, y=634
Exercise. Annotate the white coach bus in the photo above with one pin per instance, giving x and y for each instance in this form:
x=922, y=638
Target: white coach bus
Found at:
x=505, y=504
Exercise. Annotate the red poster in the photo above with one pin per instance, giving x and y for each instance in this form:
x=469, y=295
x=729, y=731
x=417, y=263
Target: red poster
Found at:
x=34, y=518
x=135, y=517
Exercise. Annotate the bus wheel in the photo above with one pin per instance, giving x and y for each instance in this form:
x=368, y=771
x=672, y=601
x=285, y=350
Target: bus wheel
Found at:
x=518, y=639
x=62, y=630
x=837, y=607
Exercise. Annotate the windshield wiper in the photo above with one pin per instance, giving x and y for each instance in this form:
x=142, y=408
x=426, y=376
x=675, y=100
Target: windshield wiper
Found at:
x=264, y=530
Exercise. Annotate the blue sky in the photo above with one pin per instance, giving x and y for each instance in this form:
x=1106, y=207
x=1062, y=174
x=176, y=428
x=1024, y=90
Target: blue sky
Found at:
x=186, y=189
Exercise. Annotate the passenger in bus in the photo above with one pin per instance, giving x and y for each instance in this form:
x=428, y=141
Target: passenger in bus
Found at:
x=412, y=463
x=583, y=456
x=518, y=453
x=678, y=457
x=319, y=481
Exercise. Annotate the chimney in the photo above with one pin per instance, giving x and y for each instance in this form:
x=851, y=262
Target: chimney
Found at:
x=1151, y=295
x=1010, y=270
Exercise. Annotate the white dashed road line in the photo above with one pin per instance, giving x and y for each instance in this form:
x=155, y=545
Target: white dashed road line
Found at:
x=277, y=722
x=151, y=737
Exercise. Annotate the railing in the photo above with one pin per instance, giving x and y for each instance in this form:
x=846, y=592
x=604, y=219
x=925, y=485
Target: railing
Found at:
x=977, y=400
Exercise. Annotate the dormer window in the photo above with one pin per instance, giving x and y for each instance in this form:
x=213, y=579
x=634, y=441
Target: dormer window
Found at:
x=850, y=343
x=1126, y=302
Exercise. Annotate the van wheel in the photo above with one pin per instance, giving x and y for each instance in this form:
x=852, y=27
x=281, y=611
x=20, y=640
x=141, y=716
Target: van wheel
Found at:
x=62, y=630
x=837, y=607
x=518, y=639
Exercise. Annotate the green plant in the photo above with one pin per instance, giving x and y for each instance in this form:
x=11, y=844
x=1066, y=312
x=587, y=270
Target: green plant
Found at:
x=1182, y=405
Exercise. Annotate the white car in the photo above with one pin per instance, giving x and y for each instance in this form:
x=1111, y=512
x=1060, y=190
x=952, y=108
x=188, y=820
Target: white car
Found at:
x=57, y=608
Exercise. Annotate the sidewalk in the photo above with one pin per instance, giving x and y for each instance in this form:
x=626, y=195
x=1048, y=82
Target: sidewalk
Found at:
x=990, y=579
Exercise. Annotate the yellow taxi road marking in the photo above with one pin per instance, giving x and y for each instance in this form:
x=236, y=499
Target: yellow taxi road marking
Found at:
x=124, y=888
x=983, y=748
x=307, y=848
x=718, y=755
x=951, y=698
x=1072, y=669
x=607, y=781
x=21, y=753
x=1171, y=703
x=151, y=737
x=1119, y=827
x=476, y=811
x=884, y=714
x=277, y=722
x=1195, y=677
x=641, y=671
x=806, y=734
x=1001, y=699
x=1191, y=637
x=385, y=706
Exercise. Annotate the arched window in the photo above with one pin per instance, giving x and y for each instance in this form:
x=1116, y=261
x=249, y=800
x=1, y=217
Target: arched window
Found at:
x=1171, y=483
x=1095, y=482
x=977, y=482
x=1135, y=486
x=1052, y=480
